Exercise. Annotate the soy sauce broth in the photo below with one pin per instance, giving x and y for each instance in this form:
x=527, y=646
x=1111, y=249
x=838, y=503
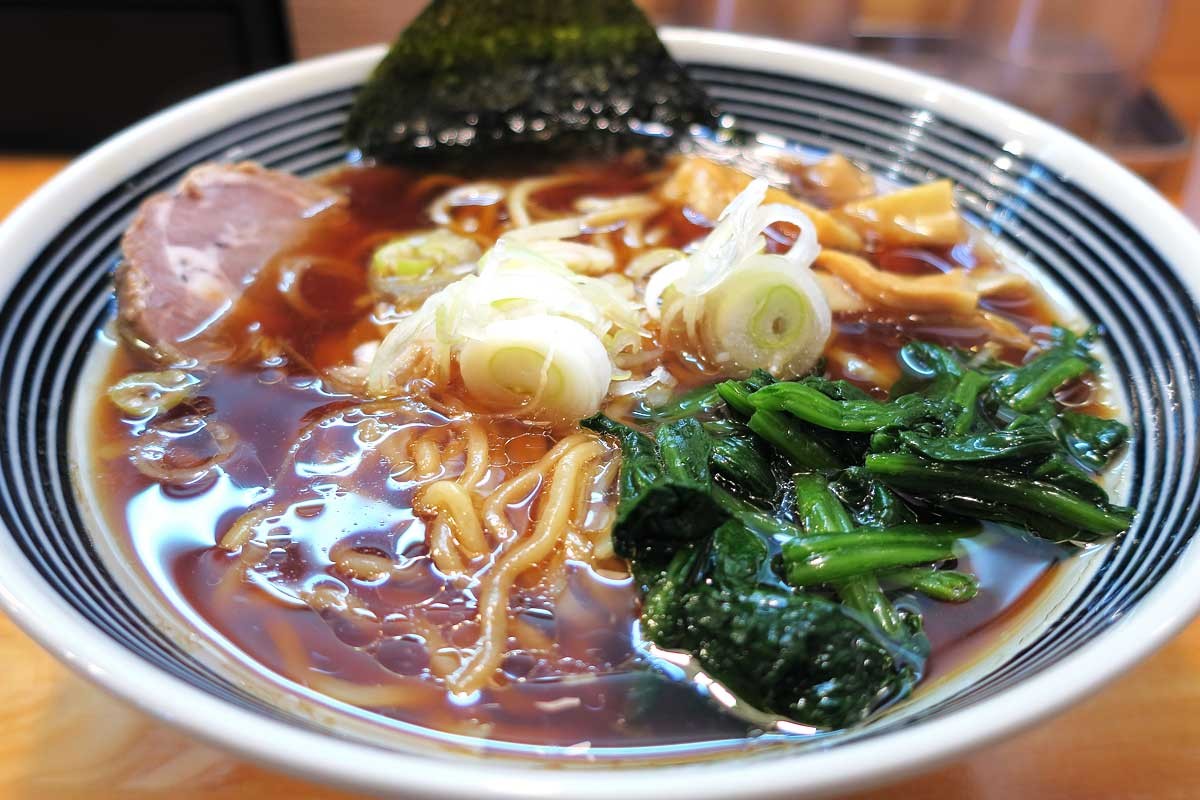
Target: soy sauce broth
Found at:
x=595, y=693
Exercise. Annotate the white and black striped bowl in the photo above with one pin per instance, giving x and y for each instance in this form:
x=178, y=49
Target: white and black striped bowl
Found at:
x=1112, y=249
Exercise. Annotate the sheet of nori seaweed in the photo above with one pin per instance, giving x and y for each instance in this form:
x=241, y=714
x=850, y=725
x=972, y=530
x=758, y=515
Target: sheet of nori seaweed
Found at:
x=473, y=81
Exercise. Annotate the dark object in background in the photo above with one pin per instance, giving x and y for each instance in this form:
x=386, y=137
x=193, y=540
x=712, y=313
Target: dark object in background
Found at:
x=76, y=71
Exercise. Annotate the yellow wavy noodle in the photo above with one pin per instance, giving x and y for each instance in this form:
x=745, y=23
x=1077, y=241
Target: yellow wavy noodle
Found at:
x=469, y=531
x=232, y=580
x=487, y=224
x=391, y=694
x=551, y=525
x=437, y=182
x=605, y=211
x=495, y=508
x=449, y=502
x=476, y=466
x=577, y=547
x=522, y=207
x=354, y=564
x=602, y=547
x=443, y=657
x=456, y=534
x=426, y=456
x=455, y=531
x=367, y=246
x=291, y=651
x=395, y=450
x=550, y=577
x=244, y=528
x=583, y=498
x=604, y=241
x=482, y=224
x=655, y=235
x=634, y=234
x=450, y=451
x=442, y=548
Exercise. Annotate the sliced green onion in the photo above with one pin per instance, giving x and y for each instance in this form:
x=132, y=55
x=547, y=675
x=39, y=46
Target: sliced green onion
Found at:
x=768, y=314
x=513, y=283
x=542, y=367
x=744, y=309
x=408, y=263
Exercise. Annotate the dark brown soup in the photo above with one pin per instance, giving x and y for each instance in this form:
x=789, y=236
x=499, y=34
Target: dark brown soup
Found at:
x=308, y=605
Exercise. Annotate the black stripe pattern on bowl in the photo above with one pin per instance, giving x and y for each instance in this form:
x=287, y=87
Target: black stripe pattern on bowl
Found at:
x=1105, y=269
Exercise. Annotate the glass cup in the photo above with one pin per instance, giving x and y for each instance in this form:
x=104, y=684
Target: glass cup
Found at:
x=1073, y=62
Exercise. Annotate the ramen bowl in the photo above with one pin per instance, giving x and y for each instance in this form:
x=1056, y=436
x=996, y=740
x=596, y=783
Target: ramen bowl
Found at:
x=1106, y=247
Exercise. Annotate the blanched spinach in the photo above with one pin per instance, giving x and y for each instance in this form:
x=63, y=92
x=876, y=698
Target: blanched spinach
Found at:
x=870, y=502
x=787, y=653
x=1008, y=443
x=740, y=558
x=810, y=404
x=741, y=460
x=1092, y=440
x=796, y=443
x=665, y=487
x=946, y=585
x=1025, y=387
x=738, y=572
x=792, y=654
x=1000, y=496
x=690, y=404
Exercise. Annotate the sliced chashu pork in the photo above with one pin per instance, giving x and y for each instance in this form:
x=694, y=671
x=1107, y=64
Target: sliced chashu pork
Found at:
x=190, y=253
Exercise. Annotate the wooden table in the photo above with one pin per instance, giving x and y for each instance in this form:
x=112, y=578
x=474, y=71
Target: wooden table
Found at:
x=61, y=737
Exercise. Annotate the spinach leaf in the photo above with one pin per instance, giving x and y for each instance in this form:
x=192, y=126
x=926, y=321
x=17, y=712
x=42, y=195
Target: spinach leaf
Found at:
x=797, y=655
x=854, y=416
x=966, y=396
x=1063, y=473
x=927, y=368
x=1027, y=441
x=740, y=558
x=793, y=440
x=1092, y=440
x=835, y=390
x=703, y=400
x=741, y=460
x=1025, y=387
x=665, y=488
x=737, y=393
x=998, y=495
x=685, y=450
x=870, y=502
x=753, y=517
x=833, y=558
x=881, y=494
x=946, y=585
x=829, y=534
x=662, y=606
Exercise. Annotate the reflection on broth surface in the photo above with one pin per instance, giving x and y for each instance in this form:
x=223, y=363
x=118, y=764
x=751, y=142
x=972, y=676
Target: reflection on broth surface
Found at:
x=433, y=559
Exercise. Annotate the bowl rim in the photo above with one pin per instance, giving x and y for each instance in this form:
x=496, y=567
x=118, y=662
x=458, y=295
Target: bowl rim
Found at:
x=41, y=613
